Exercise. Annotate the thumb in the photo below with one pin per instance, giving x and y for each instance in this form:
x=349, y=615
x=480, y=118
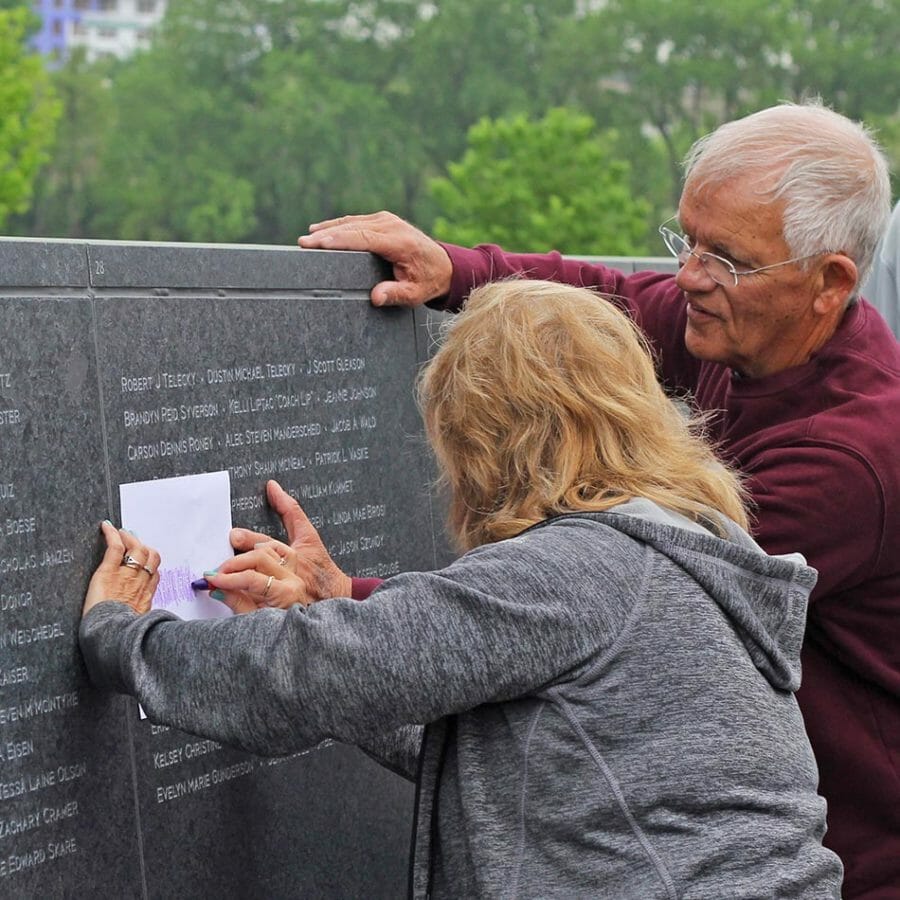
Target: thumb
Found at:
x=244, y=539
x=398, y=293
x=294, y=519
x=112, y=556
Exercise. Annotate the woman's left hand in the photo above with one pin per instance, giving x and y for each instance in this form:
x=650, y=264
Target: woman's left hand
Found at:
x=262, y=577
x=128, y=573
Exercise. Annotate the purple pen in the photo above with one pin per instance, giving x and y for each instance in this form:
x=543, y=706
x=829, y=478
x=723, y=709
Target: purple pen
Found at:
x=201, y=584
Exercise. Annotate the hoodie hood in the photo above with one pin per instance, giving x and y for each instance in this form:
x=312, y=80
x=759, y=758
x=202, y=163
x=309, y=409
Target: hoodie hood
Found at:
x=765, y=597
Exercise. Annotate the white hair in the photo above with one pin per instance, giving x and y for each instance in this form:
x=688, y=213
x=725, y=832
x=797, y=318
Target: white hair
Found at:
x=828, y=170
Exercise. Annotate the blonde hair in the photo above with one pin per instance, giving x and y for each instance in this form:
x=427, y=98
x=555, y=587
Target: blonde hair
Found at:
x=543, y=400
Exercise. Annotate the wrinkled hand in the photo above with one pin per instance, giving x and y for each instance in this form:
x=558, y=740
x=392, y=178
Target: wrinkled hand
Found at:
x=259, y=578
x=422, y=268
x=301, y=573
x=133, y=584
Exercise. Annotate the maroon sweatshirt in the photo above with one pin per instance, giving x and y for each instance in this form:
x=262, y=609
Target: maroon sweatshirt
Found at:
x=820, y=444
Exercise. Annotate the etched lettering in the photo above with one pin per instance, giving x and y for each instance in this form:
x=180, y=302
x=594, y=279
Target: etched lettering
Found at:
x=319, y=366
x=235, y=374
x=176, y=380
x=17, y=749
x=134, y=418
x=329, y=489
x=51, y=814
x=18, y=563
x=167, y=758
x=18, y=862
x=137, y=384
x=56, y=849
x=26, y=525
x=19, y=824
x=137, y=452
x=58, y=557
x=15, y=675
x=30, y=708
x=15, y=601
x=281, y=370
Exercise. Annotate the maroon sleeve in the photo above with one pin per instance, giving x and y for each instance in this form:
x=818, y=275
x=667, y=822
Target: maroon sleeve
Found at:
x=362, y=587
x=487, y=262
x=824, y=502
x=828, y=504
x=652, y=299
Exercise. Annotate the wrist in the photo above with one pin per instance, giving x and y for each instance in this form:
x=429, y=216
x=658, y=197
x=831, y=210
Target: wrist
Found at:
x=343, y=585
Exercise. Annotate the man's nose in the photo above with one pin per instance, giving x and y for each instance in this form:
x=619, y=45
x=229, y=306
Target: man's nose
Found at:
x=692, y=276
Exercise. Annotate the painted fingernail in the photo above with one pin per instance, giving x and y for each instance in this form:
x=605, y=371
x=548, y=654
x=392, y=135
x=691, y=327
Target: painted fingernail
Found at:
x=211, y=572
x=217, y=594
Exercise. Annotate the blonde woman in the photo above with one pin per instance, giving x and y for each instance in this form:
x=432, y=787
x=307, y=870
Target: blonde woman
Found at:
x=605, y=677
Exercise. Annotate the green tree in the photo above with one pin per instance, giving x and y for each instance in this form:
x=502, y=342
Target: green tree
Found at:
x=541, y=185
x=28, y=113
x=64, y=196
x=675, y=69
x=168, y=169
x=245, y=121
x=846, y=53
x=315, y=146
x=465, y=60
x=249, y=118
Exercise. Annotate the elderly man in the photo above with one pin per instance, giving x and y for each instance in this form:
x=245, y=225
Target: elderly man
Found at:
x=763, y=328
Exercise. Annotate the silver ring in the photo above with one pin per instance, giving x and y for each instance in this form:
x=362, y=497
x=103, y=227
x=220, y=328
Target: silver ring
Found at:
x=282, y=561
x=148, y=570
x=265, y=592
x=131, y=562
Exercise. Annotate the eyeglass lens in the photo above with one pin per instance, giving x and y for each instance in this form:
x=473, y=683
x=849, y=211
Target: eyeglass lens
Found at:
x=717, y=269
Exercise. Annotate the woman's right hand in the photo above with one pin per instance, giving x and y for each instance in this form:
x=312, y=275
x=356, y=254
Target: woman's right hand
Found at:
x=258, y=578
x=302, y=572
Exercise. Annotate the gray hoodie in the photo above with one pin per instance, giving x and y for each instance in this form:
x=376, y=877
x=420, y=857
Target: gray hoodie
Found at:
x=608, y=701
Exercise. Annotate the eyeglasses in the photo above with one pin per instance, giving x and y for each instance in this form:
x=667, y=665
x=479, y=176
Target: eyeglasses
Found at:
x=721, y=270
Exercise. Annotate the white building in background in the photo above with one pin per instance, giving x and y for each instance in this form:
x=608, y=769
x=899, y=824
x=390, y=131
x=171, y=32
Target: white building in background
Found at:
x=112, y=27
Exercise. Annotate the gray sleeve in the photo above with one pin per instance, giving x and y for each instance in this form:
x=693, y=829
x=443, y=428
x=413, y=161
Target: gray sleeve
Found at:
x=398, y=750
x=503, y=621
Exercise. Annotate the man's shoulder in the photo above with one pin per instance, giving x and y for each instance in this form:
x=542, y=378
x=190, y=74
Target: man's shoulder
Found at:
x=864, y=345
x=859, y=386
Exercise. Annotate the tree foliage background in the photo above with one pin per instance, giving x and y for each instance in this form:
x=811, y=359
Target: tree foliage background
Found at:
x=522, y=184
x=247, y=120
x=28, y=113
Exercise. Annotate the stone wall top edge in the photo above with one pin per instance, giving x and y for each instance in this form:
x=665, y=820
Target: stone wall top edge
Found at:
x=107, y=265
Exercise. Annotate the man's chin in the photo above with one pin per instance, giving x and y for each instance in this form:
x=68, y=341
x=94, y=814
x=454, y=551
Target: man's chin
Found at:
x=700, y=347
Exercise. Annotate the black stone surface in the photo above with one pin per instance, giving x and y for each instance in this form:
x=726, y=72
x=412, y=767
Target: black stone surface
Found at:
x=430, y=326
x=67, y=812
x=125, y=362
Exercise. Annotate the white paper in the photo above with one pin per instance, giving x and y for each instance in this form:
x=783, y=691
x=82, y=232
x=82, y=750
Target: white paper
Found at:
x=187, y=519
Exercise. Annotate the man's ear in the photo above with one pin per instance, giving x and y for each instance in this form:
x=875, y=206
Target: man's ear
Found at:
x=838, y=279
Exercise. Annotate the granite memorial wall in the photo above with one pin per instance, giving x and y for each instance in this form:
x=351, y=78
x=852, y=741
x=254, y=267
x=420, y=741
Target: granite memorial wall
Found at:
x=127, y=362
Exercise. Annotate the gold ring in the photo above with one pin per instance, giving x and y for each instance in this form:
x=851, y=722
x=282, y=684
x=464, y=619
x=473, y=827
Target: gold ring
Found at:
x=131, y=562
x=148, y=570
x=265, y=592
